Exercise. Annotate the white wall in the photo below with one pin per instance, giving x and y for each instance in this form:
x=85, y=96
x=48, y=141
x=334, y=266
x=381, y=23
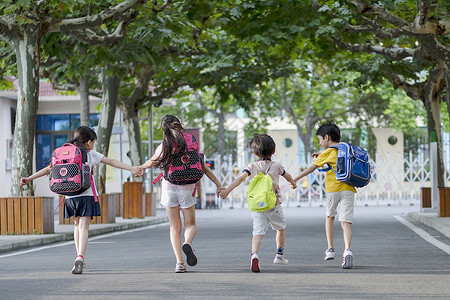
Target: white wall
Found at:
x=5, y=136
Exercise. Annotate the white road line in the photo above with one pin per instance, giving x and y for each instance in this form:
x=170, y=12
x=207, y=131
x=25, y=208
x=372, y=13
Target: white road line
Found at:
x=103, y=236
x=423, y=234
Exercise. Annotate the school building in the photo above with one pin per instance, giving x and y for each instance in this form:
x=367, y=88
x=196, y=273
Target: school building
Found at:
x=58, y=118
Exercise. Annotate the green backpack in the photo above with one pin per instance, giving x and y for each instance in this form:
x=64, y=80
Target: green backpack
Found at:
x=261, y=196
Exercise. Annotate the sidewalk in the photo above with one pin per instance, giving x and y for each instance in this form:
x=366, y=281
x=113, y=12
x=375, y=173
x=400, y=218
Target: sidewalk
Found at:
x=432, y=220
x=65, y=232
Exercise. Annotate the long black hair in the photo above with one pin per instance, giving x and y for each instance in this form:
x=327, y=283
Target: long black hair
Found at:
x=82, y=135
x=173, y=140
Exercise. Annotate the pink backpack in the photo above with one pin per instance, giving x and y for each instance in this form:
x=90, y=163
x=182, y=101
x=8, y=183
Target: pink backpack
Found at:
x=186, y=168
x=70, y=174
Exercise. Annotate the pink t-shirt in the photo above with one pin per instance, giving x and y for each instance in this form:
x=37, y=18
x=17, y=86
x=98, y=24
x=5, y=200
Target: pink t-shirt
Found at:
x=170, y=186
x=275, y=171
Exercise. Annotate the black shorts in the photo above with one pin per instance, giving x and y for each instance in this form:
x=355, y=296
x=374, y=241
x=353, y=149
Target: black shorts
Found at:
x=84, y=206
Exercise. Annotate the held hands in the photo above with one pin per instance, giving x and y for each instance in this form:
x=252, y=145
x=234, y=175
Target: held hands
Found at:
x=219, y=190
x=223, y=193
x=24, y=181
x=293, y=184
x=137, y=171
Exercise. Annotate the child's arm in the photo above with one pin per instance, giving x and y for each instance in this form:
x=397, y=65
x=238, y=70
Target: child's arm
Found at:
x=40, y=173
x=151, y=162
x=237, y=181
x=289, y=179
x=308, y=171
x=213, y=178
x=118, y=164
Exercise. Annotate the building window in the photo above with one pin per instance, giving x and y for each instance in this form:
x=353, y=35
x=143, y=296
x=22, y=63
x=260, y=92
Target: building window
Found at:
x=287, y=142
x=52, y=131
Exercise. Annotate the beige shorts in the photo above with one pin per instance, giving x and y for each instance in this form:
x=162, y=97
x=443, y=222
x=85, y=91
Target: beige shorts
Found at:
x=261, y=220
x=346, y=201
x=182, y=198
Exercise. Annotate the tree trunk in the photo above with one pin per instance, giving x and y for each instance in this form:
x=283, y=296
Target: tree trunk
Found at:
x=433, y=91
x=27, y=57
x=84, y=101
x=131, y=120
x=447, y=87
x=105, y=125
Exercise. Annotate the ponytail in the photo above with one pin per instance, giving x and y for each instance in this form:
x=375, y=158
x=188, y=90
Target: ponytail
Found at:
x=173, y=141
x=82, y=135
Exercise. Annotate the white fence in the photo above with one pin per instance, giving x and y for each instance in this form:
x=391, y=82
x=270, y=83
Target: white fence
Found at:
x=394, y=181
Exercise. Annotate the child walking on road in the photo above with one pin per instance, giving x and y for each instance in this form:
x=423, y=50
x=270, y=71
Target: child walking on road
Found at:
x=338, y=192
x=263, y=146
x=83, y=206
x=176, y=196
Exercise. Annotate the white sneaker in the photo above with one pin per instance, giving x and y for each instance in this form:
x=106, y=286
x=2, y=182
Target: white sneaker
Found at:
x=329, y=254
x=347, y=259
x=280, y=259
x=254, y=263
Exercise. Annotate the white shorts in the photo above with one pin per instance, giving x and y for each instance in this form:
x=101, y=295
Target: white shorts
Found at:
x=346, y=199
x=261, y=220
x=182, y=198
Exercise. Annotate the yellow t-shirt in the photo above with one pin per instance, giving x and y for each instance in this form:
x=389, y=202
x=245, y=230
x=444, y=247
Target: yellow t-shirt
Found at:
x=329, y=156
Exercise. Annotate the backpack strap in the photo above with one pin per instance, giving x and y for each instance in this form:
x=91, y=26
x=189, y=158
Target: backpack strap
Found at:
x=328, y=167
x=267, y=167
x=93, y=188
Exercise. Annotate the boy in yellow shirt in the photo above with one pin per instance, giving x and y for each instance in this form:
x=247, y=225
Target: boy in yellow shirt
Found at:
x=329, y=137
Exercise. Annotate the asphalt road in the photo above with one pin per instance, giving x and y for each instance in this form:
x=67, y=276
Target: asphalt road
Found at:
x=391, y=261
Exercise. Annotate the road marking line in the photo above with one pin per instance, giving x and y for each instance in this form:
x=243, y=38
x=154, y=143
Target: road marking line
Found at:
x=106, y=235
x=423, y=234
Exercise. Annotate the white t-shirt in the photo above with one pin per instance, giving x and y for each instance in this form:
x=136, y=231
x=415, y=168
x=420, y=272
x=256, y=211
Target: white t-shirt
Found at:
x=94, y=158
x=170, y=186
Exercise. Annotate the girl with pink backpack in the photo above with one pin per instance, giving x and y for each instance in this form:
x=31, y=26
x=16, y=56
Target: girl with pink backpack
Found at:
x=183, y=166
x=81, y=201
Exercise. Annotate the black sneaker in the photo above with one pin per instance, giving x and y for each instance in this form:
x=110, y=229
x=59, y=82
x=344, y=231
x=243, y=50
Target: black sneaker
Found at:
x=191, y=259
x=347, y=260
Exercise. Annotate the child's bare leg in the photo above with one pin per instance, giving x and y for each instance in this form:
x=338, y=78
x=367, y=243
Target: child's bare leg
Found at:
x=83, y=228
x=347, y=233
x=76, y=233
x=256, y=242
x=329, y=229
x=173, y=214
x=280, y=238
x=189, y=224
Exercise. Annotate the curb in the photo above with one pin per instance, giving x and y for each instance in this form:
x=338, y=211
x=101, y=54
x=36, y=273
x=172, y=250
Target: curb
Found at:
x=432, y=220
x=41, y=240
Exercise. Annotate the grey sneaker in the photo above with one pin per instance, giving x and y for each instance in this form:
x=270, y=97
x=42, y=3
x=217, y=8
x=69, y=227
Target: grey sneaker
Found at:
x=78, y=266
x=191, y=259
x=329, y=254
x=347, y=260
x=180, y=268
x=280, y=259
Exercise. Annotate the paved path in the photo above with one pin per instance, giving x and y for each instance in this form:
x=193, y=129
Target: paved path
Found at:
x=395, y=257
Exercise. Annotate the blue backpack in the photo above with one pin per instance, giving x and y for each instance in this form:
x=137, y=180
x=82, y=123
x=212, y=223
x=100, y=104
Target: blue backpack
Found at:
x=352, y=165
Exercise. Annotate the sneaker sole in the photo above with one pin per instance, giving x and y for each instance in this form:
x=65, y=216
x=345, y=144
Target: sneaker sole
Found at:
x=348, y=262
x=328, y=258
x=78, y=267
x=255, y=265
x=191, y=259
